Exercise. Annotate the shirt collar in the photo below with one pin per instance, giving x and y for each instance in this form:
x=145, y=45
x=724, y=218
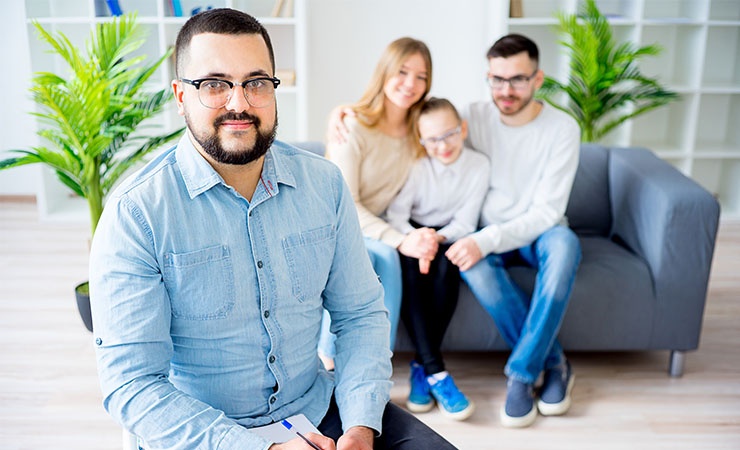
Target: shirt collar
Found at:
x=277, y=165
x=441, y=169
x=199, y=176
x=276, y=170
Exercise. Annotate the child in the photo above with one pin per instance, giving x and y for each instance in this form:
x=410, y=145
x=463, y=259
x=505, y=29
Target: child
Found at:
x=444, y=191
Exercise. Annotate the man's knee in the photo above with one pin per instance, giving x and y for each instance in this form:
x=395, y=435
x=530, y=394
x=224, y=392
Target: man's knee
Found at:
x=482, y=273
x=401, y=430
x=561, y=243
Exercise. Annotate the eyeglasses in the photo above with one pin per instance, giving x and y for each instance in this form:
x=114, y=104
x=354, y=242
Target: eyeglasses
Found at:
x=433, y=142
x=215, y=93
x=518, y=82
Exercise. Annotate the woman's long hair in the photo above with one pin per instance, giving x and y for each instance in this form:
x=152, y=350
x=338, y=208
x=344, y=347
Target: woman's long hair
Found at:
x=371, y=106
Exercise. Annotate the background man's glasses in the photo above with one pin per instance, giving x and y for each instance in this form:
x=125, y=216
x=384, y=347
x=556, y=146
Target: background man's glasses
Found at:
x=518, y=82
x=215, y=93
x=448, y=137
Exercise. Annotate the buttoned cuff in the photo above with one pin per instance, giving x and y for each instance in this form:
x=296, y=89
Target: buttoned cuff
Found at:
x=238, y=438
x=363, y=410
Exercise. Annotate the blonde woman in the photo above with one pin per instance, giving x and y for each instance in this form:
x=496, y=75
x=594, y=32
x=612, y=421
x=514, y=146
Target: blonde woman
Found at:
x=375, y=157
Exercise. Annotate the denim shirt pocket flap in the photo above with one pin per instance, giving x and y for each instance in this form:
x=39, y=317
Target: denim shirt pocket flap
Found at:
x=200, y=283
x=309, y=255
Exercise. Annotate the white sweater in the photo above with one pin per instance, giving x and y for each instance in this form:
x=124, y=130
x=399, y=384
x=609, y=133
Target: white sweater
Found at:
x=439, y=195
x=532, y=172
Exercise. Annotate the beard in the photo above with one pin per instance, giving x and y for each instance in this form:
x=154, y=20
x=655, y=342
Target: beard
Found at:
x=212, y=145
x=521, y=103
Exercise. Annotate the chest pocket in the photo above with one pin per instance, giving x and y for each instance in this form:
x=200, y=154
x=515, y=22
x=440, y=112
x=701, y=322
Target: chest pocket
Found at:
x=309, y=255
x=200, y=283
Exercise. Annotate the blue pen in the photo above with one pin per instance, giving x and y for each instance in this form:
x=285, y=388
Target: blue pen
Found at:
x=289, y=426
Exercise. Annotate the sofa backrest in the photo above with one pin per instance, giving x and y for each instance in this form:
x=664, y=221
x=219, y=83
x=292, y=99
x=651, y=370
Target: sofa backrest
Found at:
x=589, y=207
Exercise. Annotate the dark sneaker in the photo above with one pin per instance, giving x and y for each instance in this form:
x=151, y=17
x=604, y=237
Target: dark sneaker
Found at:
x=519, y=410
x=556, y=388
x=420, y=400
x=452, y=403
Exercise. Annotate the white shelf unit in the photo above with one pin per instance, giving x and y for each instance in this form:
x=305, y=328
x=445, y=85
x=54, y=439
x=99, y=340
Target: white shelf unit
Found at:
x=700, y=133
x=75, y=18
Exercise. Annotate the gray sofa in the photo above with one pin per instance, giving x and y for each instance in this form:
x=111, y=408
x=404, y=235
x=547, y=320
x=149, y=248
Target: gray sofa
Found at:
x=647, y=235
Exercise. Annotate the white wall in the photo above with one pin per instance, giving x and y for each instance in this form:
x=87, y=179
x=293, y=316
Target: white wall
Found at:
x=347, y=37
x=345, y=40
x=18, y=127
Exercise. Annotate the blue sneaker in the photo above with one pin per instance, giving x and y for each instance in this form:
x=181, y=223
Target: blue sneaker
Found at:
x=519, y=410
x=452, y=403
x=556, y=388
x=420, y=400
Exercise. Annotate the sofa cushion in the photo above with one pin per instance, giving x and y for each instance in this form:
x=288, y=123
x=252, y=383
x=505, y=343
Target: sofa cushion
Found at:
x=613, y=303
x=589, y=209
x=612, y=307
x=471, y=327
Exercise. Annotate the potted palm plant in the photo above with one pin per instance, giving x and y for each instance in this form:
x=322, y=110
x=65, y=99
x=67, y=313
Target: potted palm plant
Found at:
x=90, y=118
x=605, y=87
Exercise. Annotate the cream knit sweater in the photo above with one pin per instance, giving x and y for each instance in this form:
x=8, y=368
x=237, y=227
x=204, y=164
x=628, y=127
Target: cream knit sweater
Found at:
x=375, y=167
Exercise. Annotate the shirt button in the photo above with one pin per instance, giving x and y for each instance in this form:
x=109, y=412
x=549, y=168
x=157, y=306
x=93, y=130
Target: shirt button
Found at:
x=267, y=314
x=272, y=400
x=272, y=358
x=259, y=264
x=98, y=341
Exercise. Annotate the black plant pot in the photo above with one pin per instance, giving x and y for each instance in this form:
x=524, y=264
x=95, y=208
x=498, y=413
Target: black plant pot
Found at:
x=82, y=293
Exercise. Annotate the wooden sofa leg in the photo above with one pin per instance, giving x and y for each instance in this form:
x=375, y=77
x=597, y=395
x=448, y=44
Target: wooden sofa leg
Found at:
x=676, y=363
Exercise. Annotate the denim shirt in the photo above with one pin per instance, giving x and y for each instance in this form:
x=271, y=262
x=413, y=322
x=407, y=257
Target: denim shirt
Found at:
x=207, y=307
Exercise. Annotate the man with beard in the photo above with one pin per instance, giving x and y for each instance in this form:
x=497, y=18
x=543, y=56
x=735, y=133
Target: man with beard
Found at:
x=211, y=267
x=533, y=149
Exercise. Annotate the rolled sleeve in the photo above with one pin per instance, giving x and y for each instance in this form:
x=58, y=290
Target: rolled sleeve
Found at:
x=354, y=298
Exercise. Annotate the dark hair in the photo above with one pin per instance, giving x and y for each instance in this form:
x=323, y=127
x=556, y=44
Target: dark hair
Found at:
x=436, y=104
x=513, y=44
x=218, y=21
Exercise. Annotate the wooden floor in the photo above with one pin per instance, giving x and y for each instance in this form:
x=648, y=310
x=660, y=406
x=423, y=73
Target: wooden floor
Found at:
x=49, y=397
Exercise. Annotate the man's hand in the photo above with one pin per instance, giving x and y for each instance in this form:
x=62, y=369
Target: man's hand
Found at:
x=420, y=243
x=356, y=438
x=337, y=131
x=323, y=442
x=464, y=253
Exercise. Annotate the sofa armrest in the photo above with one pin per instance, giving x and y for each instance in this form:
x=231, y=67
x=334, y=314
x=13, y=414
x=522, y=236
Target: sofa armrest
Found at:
x=671, y=222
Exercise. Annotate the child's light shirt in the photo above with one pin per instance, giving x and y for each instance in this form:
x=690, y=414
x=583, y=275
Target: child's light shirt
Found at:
x=439, y=195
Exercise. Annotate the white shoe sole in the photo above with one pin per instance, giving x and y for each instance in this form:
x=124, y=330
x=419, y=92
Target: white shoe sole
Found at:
x=418, y=407
x=460, y=415
x=556, y=409
x=518, y=422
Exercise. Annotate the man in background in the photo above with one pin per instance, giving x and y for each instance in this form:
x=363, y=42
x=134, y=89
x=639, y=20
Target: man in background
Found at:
x=533, y=149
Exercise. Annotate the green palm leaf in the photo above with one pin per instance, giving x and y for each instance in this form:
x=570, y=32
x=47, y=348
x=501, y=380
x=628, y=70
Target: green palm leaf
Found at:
x=605, y=87
x=93, y=118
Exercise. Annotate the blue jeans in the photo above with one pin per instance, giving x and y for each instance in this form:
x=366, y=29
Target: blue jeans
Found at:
x=387, y=266
x=529, y=325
